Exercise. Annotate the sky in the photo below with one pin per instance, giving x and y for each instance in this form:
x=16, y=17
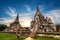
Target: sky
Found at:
x=26, y=10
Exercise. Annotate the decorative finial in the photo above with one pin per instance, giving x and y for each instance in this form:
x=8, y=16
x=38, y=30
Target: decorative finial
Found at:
x=37, y=8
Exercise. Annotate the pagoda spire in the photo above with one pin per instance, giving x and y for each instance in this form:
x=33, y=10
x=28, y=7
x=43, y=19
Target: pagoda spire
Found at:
x=38, y=12
x=37, y=9
x=17, y=19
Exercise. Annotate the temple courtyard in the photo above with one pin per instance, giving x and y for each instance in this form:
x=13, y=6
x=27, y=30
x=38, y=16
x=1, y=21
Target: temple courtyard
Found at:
x=6, y=36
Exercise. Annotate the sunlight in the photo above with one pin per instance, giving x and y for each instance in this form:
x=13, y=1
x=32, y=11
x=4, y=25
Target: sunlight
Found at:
x=27, y=23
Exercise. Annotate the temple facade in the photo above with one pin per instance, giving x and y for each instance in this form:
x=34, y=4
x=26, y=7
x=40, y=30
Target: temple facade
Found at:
x=41, y=23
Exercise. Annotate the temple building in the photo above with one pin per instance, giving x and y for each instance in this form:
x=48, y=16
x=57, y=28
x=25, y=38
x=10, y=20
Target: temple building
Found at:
x=15, y=26
x=43, y=24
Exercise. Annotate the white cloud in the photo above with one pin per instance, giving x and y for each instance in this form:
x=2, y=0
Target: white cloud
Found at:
x=28, y=8
x=42, y=7
x=11, y=12
x=55, y=14
x=6, y=21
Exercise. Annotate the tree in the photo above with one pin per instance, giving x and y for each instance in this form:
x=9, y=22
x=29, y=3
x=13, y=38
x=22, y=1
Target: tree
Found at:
x=2, y=27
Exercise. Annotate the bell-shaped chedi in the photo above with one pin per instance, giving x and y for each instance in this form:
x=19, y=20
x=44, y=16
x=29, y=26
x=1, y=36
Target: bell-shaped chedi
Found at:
x=15, y=26
x=41, y=24
x=36, y=22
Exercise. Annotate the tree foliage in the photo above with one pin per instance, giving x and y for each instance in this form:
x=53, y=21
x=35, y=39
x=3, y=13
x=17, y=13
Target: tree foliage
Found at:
x=2, y=27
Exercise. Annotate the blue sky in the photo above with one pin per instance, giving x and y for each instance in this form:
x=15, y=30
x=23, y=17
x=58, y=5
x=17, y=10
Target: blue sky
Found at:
x=26, y=9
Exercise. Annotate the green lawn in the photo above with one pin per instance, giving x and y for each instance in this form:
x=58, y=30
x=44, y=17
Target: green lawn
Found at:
x=6, y=36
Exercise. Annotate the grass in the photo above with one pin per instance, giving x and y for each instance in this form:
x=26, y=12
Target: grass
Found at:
x=45, y=38
x=6, y=36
